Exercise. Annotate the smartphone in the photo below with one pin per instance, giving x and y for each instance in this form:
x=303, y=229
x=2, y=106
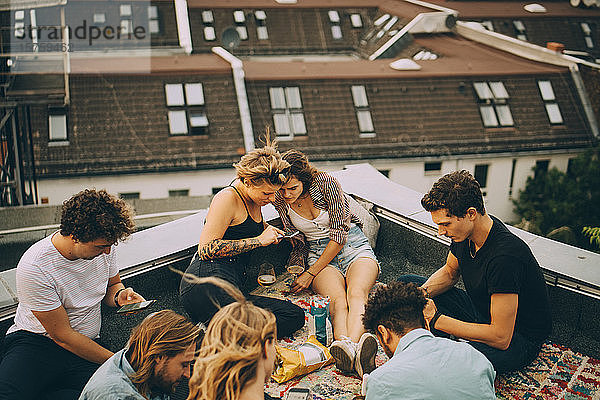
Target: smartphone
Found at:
x=299, y=394
x=289, y=236
x=135, y=306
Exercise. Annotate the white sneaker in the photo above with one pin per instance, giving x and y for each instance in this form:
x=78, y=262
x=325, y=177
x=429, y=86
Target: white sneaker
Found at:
x=364, y=362
x=344, y=352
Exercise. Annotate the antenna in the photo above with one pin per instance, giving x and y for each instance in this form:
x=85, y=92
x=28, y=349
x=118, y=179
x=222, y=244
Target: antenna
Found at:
x=230, y=38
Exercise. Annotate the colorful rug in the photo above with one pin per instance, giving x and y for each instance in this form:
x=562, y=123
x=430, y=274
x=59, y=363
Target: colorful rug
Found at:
x=558, y=372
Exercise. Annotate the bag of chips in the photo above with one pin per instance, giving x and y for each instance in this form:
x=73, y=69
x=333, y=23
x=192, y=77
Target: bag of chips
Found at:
x=308, y=357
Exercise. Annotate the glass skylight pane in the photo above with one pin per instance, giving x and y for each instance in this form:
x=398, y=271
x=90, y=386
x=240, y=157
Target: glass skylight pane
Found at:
x=391, y=23
x=238, y=16
x=282, y=124
x=99, y=18
x=519, y=25
x=488, y=115
x=242, y=31
x=262, y=33
x=554, y=113
x=522, y=37
x=277, y=98
x=546, y=90
x=209, y=33
x=356, y=20
x=298, y=123
x=589, y=42
x=19, y=29
x=292, y=95
x=381, y=19
x=174, y=94
x=20, y=14
x=359, y=95
x=260, y=15
x=125, y=10
x=586, y=28
x=333, y=16
x=365, y=123
x=153, y=26
x=198, y=119
x=207, y=17
x=177, y=123
x=152, y=12
x=483, y=90
x=58, y=127
x=504, y=115
x=499, y=90
x=126, y=26
x=488, y=25
x=194, y=94
x=336, y=32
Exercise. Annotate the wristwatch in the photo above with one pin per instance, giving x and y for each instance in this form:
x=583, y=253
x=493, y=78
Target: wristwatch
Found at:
x=436, y=316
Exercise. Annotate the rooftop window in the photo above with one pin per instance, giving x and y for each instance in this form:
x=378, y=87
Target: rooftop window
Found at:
x=261, y=27
x=587, y=35
x=356, y=20
x=186, y=113
x=493, y=104
x=363, y=113
x=208, y=29
x=288, y=115
x=126, y=22
x=549, y=98
x=432, y=168
x=336, y=29
x=520, y=30
x=20, y=24
x=99, y=18
x=153, y=24
x=57, y=125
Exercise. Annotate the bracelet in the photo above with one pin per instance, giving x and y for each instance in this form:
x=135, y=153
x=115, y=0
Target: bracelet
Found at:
x=436, y=316
x=117, y=295
x=427, y=295
x=308, y=272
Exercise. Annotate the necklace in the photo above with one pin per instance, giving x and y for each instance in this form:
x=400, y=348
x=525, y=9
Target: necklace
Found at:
x=472, y=251
x=298, y=203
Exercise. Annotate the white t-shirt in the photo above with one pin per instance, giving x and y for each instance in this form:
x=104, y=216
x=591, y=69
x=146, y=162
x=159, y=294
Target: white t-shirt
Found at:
x=46, y=280
x=313, y=229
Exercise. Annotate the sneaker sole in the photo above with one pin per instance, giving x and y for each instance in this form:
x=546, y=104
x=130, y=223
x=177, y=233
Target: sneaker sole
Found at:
x=365, y=358
x=343, y=361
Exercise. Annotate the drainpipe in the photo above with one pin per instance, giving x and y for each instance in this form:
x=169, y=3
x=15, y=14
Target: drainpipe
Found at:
x=242, y=97
x=585, y=100
x=183, y=25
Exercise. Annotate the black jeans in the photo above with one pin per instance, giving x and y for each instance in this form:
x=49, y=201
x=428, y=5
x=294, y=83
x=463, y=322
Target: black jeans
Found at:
x=35, y=367
x=457, y=304
x=198, y=300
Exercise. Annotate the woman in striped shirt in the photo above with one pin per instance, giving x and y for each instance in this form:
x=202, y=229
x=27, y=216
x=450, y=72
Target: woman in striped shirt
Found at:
x=335, y=253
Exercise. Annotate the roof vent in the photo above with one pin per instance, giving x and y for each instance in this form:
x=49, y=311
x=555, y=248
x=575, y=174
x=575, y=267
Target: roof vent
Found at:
x=405, y=64
x=554, y=46
x=535, y=8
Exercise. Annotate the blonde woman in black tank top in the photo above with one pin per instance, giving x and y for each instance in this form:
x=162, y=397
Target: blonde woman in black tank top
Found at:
x=234, y=226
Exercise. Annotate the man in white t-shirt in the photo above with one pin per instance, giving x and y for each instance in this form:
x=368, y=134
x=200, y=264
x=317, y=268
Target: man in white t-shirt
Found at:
x=50, y=351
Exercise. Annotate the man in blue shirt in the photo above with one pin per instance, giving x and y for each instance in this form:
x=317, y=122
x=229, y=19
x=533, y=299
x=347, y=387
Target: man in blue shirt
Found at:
x=421, y=366
x=157, y=358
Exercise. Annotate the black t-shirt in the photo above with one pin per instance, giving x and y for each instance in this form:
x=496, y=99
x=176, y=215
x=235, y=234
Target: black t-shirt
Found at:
x=505, y=264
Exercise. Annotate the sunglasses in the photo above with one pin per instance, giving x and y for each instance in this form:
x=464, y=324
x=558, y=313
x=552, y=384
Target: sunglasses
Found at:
x=278, y=177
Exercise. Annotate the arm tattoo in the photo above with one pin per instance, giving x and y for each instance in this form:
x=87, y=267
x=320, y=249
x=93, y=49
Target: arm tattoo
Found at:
x=219, y=248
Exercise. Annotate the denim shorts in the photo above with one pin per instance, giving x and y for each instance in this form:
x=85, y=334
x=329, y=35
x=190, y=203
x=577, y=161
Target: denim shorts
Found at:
x=356, y=246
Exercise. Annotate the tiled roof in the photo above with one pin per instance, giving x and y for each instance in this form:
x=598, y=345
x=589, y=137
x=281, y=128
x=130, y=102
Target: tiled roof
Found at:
x=510, y=9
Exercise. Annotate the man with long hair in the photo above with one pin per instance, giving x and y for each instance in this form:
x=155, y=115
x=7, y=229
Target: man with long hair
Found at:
x=421, y=366
x=505, y=311
x=157, y=358
x=51, y=351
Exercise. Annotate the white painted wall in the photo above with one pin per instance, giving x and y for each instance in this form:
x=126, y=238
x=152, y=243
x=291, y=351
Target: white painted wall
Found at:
x=409, y=173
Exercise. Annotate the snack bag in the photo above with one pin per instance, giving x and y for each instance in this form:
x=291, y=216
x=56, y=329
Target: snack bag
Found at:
x=308, y=357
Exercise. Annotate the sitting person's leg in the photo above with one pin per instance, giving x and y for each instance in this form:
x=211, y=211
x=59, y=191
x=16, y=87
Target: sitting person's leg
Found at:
x=520, y=353
x=288, y=316
x=330, y=282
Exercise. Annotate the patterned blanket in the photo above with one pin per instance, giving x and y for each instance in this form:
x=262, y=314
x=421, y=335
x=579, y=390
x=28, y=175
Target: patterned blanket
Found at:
x=557, y=373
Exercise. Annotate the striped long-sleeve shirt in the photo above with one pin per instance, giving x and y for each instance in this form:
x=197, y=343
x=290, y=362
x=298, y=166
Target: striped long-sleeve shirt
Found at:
x=326, y=194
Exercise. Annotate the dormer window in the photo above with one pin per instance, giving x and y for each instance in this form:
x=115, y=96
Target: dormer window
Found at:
x=288, y=115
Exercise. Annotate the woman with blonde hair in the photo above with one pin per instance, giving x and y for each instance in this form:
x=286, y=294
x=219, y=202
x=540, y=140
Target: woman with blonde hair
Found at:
x=338, y=258
x=234, y=226
x=237, y=354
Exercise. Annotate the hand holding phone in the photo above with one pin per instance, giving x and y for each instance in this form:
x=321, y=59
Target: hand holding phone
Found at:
x=287, y=236
x=133, y=307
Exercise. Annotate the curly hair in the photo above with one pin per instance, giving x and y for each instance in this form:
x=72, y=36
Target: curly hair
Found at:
x=397, y=306
x=300, y=168
x=232, y=346
x=94, y=214
x=263, y=166
x=457, y=192
x=164, y=333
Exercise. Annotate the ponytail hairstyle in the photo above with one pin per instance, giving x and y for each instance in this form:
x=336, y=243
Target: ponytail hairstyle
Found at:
x=263, y=166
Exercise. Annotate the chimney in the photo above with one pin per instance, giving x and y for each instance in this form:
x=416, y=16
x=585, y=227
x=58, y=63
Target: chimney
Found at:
x=557, y=47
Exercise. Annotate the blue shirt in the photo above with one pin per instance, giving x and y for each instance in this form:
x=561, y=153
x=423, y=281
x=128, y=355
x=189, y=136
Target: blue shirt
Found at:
x=111, y=382
x=427, y=367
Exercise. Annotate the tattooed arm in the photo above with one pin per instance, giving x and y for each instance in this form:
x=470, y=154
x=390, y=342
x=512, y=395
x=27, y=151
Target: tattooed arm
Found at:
x=222, y=213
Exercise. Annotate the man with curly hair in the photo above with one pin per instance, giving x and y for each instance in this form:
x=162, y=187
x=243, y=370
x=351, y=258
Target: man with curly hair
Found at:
x=50, y=351
x=505, y=310
x=421, y=366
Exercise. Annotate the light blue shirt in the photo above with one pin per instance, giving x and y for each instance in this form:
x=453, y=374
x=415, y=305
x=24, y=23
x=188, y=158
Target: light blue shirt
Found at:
x=427, y=367
x=111, y=382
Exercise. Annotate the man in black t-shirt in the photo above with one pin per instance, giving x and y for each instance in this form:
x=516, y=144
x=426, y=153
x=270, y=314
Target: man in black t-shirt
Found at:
x=505, y=312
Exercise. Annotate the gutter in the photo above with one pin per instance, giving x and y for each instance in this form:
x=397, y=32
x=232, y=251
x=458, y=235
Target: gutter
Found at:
x=242, y=97
x=476, y=32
